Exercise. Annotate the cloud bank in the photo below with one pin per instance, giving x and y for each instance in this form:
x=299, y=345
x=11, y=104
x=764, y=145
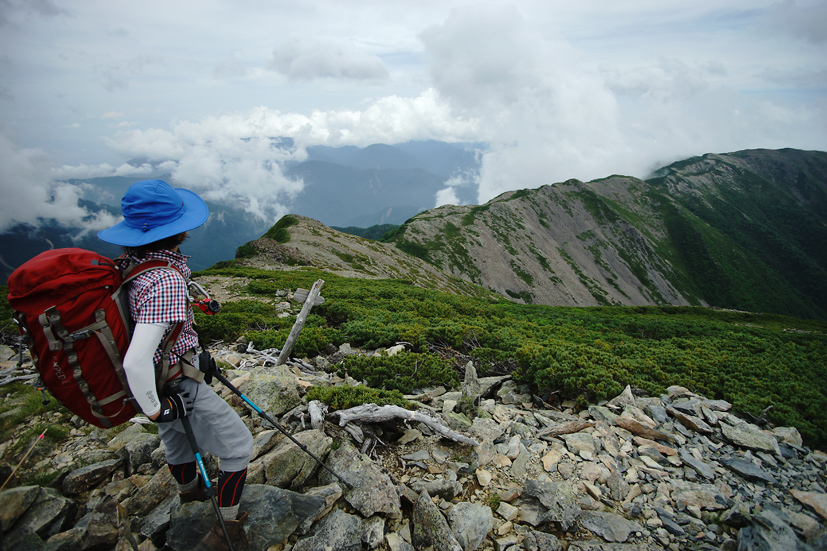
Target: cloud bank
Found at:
x=555, y=90
x=31, y=195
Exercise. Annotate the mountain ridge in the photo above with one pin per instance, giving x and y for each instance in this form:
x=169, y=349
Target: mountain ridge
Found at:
x=738, y=230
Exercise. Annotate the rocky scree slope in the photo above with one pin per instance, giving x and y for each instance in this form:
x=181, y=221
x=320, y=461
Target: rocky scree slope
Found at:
x=636, y=473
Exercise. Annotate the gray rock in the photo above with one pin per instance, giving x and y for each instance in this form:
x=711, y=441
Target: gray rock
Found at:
x=331, y=494
x=540, y=541
x=288, y=466
x=274, y=390
x=691, y=407
x=151, y=494
x=103, y=529
x=609, y=526
x=623, y=400
x=446, y=489
x=599, y=545
x=768, y=532
x=717, y=405
x=658, y=413
x=470, y=524
x=749, y=470
x=373, y=491
x=485, y=430
x=471, y=384
x=750, y=436
x=125, y=436
x=338, y=530
x=419, y=455
x=703, y=496
x=579, y=442
x=519, y=468
x=373, y=531
x=139, y=450
x=274, y=514
x=49, y=514
x=543, y=501
x=489, y=384
x=618, y=487
x=265, y=441
x=86, y=478
x=430, y=529
x=155, y=525
x=510, y=392
x=737, y=516
x=15, y=502
x=396, y=543
x=602, y=413
x=691, y=422
x=702, y=468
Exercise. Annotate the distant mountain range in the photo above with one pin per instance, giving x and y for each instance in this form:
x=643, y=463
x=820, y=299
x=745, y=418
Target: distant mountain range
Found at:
x=744, y=230
x=344, y=186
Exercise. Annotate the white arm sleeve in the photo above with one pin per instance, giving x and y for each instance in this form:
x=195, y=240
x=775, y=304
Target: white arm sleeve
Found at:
x=139, y=367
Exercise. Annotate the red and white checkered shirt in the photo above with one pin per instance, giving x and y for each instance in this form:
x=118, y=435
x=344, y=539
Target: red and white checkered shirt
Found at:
x=161, y=296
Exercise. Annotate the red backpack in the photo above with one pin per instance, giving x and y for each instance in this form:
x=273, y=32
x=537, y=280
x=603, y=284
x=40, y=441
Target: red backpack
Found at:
x=72, y=307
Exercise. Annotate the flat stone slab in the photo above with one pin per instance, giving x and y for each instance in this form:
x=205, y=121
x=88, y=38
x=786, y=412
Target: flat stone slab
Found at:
x=749, y=470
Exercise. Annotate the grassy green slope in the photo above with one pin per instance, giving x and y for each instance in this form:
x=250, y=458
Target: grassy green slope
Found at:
x=589, y=354
x=751, y=234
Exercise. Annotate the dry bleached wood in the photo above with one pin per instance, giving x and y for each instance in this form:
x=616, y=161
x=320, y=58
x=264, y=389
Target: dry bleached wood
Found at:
x=565, y=428
x=297, y=327
x=377, y=414
x=317, y=411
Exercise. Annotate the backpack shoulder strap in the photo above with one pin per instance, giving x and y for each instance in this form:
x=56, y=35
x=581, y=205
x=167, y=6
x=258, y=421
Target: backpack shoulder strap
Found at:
x=132, y=270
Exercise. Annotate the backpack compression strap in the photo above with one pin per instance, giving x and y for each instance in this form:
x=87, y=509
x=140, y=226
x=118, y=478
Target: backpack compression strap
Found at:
x=59, y=338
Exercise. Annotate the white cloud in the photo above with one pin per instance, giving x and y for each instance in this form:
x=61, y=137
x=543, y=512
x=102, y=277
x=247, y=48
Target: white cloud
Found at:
x=80, y=172
x=446, y=196
x=232, y=158
x=30, y=194
x=302, y=58
x=552, y=112
x=801, y=20
x=558, y=90
x=547, y=116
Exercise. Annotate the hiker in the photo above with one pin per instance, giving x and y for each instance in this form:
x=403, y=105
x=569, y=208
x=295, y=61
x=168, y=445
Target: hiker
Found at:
x=156, y=221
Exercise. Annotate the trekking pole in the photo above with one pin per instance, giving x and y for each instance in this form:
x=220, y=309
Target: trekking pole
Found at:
x=210, y=490
x=269, y=419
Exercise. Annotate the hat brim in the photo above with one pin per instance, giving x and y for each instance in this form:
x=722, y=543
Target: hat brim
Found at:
x=195, y=214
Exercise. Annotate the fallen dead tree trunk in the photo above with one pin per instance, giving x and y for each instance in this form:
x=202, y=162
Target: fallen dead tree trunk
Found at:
x=372, y=413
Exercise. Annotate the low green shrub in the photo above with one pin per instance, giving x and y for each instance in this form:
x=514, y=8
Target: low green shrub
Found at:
x=344, y=397
x=406, y=371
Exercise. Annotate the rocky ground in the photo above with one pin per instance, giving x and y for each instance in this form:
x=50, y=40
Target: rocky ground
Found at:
x=673, y=472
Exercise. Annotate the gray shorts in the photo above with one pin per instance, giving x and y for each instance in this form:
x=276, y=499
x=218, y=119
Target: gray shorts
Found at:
x=217, y=428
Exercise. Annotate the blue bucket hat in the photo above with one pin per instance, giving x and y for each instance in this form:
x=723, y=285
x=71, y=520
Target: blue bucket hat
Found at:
x=152, y=211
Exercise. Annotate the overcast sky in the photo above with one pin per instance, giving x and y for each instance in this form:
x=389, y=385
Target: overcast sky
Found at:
x=557, y=89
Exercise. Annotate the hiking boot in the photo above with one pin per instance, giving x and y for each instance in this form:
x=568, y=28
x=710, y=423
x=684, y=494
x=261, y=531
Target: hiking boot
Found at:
x=215, y=541
x=198, y=493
